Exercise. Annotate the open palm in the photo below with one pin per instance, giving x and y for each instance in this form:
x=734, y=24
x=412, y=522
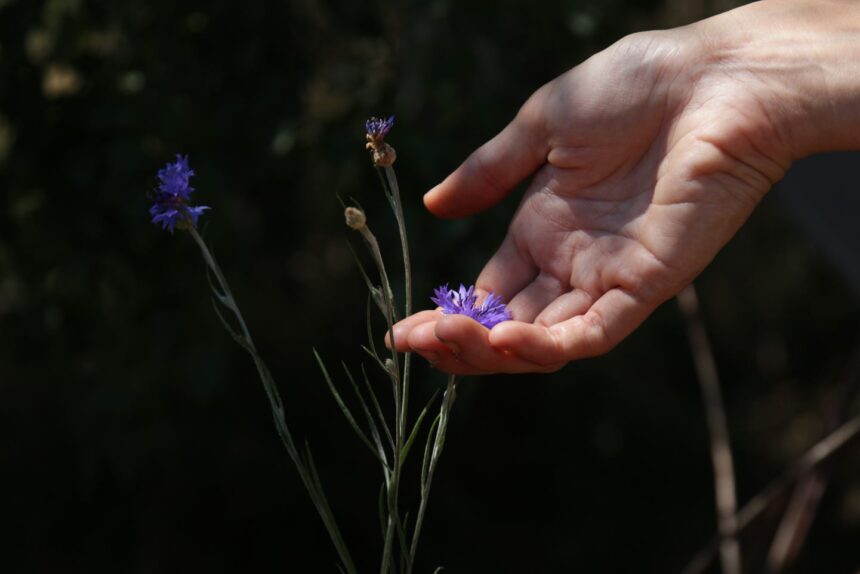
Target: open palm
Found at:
x=645, y=161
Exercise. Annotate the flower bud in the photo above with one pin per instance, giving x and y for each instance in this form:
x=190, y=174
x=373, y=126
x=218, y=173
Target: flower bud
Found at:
x=390, y=366
x=355, y=218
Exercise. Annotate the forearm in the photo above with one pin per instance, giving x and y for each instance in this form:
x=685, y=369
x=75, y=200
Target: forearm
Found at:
x=806, y=53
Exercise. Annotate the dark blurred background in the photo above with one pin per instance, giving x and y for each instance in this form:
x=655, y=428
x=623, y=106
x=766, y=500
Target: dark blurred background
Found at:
x=134, y=434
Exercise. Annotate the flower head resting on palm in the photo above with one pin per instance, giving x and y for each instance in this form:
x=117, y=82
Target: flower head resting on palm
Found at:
x=464, y=301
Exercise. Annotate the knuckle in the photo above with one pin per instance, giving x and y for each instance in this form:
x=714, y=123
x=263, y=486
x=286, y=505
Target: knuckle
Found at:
x=596, y=337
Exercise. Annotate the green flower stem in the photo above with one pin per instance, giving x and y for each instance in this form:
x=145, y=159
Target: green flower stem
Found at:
x=307, y=471
x=392, y=474
x=397, y=376
x=392, y=190
x=387, y=294
x=427, y=477
x=390, y=183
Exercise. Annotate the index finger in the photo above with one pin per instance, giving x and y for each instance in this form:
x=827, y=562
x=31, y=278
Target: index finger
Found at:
x=493, y=170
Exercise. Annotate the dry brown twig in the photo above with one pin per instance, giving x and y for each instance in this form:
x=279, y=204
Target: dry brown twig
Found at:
x=721, y=454
x=802, y=506
x=822, y=451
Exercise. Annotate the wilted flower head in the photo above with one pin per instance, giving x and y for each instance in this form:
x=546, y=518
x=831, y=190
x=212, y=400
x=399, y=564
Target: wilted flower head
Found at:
x=464, y=302
x=170, y=207
x=382, y=153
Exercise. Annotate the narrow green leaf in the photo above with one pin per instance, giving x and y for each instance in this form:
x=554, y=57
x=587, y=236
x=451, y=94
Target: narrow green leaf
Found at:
x=425, y=464
x=307, y=471
x=371, y=340
x=382, y=505
x=404, y=555
x=389, y=310
x=317, y=493
x=374, y=291
x=376, y=360
x=240, y=340
x=445, y=412
x=416, y=428
x=219, y=291
x=344, y=409
x=371, y=422
x=377, y=408
x=344, y=205
x=373, y=353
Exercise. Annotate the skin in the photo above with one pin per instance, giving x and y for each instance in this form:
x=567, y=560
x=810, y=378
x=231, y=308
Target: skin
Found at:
x=644, y=161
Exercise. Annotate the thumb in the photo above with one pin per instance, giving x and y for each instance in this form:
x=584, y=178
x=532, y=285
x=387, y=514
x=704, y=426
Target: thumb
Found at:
x=493, y=170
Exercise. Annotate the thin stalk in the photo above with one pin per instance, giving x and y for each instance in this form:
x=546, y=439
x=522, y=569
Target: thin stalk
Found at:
x=387, y=294
x=426, y=483
x=721, y=453
x=393, y=484
x=230, y=301
x=796, y=520
x=823, y=450
x=393, y=493
x=277, y=407
x=389, y=182
x=399, y=405
x=803, y=504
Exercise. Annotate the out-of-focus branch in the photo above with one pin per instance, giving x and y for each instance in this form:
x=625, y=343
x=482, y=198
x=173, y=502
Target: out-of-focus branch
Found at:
x=796, y=520
x=823, y=450
x=721, y=454
x=800, y=513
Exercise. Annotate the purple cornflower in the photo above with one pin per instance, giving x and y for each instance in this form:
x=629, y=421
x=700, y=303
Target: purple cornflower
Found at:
x=383, y=155
x=377, y=128
x=464, y=302
x=170, y=207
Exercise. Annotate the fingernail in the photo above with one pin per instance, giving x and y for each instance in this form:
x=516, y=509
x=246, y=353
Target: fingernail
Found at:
x=455, y=348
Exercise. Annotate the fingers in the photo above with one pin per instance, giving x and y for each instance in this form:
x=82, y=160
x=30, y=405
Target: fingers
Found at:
x=494, y=169
x=528, y=303
x=577, y=329
x=568, y=305
x=403, y=328
x=422, y=340
x=507, y=272
x=597, y=331
x=459, y=345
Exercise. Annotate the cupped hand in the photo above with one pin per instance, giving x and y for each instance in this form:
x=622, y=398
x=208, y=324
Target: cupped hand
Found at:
x=645, y=160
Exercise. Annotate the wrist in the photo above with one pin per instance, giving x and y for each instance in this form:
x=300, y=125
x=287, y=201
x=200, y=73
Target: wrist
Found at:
x=802, y=60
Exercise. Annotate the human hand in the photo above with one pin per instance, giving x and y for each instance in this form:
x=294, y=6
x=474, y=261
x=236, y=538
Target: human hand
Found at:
x=646, y=159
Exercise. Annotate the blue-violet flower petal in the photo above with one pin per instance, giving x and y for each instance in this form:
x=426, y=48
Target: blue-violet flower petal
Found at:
x=170, y=199
x=463, y=301
x=377, y=128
